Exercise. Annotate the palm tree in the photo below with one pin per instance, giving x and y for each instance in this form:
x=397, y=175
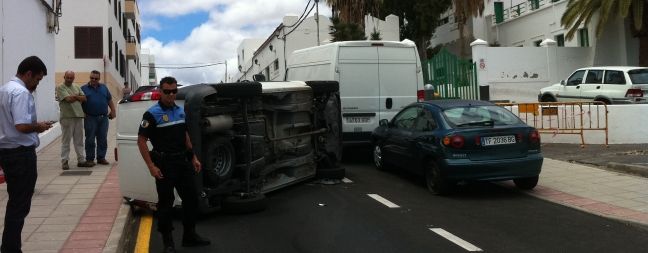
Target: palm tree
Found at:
x=581, y=12
x=464, y=9
x=354, y=11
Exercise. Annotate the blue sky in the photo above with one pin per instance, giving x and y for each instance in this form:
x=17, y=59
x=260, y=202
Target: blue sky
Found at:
x=208, y=31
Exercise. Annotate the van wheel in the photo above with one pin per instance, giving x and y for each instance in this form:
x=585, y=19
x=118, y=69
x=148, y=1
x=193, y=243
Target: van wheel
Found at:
x=331, y=173
x=242, y=205
x=238, y=89
x=320, y=87
x=220, y=159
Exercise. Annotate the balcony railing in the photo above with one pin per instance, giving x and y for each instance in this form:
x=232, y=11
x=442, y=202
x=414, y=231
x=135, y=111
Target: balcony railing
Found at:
x=131, y=9
x=518, y=10
x=131, y=48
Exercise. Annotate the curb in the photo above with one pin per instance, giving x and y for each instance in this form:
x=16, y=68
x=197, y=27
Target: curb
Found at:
x=119, y=231
x=638, y=170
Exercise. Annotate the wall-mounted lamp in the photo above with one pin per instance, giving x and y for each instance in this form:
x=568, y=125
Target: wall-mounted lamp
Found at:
x=270, y=47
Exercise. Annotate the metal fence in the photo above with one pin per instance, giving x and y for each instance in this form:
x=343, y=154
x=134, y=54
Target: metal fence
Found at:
x=563, y=118
x=451, y=76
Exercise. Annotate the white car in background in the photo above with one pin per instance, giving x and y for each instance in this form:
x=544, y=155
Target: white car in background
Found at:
x=609, y=85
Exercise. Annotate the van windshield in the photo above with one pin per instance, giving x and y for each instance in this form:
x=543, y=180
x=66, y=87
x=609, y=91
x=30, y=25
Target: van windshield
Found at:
x=638, y=76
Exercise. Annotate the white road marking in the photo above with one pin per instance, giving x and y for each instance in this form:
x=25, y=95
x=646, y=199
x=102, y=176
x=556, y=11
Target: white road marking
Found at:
x=346, y=180
x=456, y=240
x=383, y=201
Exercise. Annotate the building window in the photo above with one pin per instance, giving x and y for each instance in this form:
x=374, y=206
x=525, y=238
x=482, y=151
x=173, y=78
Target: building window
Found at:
x=583, y=37
x=115, y=9
x=88, y=42
x=276, y=64
x=110, y=51
x=560, y=40
x=116, y=56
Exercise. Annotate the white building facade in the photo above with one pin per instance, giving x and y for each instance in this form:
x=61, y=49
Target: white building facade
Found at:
x=149, y=75
x=101, y=35
x=28, y=28
x=269, y=56
x=526, y=23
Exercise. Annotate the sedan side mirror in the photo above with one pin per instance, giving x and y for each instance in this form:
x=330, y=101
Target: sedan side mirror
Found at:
x=562, y=82
x=383, y=122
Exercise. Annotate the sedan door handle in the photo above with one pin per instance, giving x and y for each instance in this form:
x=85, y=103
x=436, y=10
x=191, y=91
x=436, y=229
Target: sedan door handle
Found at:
x=578, y=87
x=598, y=87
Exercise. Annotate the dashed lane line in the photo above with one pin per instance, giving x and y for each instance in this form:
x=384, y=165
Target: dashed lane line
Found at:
x=347, y=181
x=144, y=234
x=383, y=201
x=456, y=240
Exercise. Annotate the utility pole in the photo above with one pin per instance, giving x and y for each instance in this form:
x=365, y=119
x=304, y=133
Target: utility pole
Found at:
x=226, y=71
x=317, y=20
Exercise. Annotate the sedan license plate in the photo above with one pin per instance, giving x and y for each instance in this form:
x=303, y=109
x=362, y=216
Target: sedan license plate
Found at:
x=357, y=119
x=498, y=140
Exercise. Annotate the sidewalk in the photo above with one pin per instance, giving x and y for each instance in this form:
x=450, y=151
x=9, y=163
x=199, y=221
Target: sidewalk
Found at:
x=80, y=210
x=85, y=213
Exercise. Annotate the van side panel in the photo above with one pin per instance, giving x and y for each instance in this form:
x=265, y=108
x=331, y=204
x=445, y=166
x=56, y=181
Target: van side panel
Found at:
x=399, y=78
x=358, y=77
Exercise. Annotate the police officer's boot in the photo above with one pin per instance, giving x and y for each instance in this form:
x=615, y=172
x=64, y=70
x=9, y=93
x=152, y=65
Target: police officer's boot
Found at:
x=191, y=239
x=169, y=246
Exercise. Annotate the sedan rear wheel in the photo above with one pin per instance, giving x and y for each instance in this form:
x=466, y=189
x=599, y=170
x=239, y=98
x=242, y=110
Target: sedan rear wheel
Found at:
x=526, y=183
x=435, y=181
x=378, y=157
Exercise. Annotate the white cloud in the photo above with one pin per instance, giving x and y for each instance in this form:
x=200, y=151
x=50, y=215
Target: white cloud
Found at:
x=216, y=40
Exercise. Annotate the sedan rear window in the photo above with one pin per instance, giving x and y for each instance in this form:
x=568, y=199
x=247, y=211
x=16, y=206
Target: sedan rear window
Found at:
x=475, y=116
x=638, y=76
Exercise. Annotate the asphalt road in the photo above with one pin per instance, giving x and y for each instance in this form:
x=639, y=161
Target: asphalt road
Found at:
x=313, y=217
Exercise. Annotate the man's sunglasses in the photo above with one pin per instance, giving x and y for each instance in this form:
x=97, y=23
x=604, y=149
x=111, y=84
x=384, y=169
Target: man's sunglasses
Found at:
x=167, y=92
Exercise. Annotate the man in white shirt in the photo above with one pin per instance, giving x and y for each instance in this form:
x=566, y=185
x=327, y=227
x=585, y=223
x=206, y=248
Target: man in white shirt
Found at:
x=18, y=141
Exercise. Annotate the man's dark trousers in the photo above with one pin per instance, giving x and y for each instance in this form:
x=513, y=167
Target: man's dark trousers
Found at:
x=19, y=166
x=178, y=173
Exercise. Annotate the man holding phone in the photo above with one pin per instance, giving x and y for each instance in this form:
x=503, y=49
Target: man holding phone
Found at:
x=70, y=98
x=18, y=141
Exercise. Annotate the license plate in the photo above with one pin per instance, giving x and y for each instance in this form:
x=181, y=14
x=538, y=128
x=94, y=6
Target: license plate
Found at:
x=357, y=119
x=498, y=140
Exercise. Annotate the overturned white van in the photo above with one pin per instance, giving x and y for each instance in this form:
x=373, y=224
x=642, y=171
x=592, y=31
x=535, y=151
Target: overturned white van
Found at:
x=250, y=137
x=377, y=79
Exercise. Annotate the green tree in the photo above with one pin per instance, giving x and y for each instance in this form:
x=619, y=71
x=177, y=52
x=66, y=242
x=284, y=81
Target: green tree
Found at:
x=375, y=35
x=463, y=10
x=354, y=11
x=418, y=19
x=581, y=12
x=341, y=31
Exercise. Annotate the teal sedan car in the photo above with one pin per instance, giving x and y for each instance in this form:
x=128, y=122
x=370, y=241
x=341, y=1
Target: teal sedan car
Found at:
x=449, y=141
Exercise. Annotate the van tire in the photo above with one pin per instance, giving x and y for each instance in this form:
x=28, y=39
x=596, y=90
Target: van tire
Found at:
x=321, y=87
x=332, y=173
x=238, y=89
x=220, y=159
x=241, y=205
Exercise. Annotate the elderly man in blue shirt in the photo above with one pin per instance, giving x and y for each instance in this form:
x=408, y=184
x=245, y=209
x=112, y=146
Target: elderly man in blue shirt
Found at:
x=18, y=141
x=98, y=100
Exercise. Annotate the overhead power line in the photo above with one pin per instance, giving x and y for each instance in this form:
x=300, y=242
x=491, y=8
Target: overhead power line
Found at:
x=184, y=67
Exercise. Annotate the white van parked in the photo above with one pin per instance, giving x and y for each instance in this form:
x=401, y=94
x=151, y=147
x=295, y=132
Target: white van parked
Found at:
x=377, y=79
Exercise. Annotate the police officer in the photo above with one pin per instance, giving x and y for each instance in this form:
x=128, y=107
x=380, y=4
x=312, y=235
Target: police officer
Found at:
x=170, y=162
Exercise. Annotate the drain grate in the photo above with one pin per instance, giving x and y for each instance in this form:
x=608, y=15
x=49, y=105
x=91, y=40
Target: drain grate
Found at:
x=76, y=173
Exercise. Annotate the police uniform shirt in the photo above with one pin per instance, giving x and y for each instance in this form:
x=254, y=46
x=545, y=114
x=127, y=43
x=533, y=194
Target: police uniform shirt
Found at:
x=165, y=127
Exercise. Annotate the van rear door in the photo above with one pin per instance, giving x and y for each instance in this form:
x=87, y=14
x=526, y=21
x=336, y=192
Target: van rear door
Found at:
x=397, y=72
x=359, y=89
